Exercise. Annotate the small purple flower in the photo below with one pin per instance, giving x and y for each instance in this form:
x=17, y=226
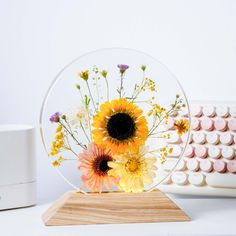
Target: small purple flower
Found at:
x=123, y=68
x=55, y=117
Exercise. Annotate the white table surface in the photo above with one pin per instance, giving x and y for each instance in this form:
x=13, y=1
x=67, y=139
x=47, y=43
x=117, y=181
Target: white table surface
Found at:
x=214, y=216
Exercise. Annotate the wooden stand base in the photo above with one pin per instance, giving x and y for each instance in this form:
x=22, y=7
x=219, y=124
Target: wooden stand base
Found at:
x=113, y=208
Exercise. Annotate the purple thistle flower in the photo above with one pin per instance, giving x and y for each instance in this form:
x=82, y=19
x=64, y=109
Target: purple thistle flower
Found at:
x=122, y=68
x=55, y=117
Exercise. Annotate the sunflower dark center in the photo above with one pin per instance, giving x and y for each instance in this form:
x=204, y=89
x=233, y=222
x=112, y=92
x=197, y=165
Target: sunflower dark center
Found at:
x=101, y=164
x=121, y=126
x=103, y=167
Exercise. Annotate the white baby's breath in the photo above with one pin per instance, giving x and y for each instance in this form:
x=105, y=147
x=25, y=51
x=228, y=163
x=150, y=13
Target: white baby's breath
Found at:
x=78, y=116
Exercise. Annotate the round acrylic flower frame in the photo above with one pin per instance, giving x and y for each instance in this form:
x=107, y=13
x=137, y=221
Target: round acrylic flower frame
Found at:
x=114, y=116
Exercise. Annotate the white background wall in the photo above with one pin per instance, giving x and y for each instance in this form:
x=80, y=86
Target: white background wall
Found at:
x=195, y=39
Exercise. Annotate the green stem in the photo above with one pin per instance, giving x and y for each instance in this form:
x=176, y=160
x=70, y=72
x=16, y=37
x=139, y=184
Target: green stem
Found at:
x=82, y=127
x=107, y=89
x=72, y=135
x=81, y=95
x=160, y=132
x=91, y=96
x=137, y=92
x=69, y=149
x=121, y=85
x=159, y=137
x=97, y=92
x=155, y=150
x=89, y=123
x=154, y=122
x=88, y=114
x=155, y=127
x=147, y=101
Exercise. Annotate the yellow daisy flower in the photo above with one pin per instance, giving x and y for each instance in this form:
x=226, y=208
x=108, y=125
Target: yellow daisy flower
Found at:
x=182, y=126
x=134, y=170
x=119, y=126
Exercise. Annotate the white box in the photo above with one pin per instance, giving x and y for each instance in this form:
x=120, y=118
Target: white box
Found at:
x=17, y=166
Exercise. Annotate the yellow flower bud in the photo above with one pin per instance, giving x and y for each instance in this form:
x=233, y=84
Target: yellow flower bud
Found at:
x=59, y=136
x=56, y=163
x=59, y=128
x=60, y=158
x=84, y=75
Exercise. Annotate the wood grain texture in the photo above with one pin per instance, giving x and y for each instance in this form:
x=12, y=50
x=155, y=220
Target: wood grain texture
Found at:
x=113, y=208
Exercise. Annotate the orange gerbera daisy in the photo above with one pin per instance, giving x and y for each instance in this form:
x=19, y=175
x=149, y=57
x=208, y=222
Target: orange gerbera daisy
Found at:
x=182, y=126
x=94, y=164
x=120, y=126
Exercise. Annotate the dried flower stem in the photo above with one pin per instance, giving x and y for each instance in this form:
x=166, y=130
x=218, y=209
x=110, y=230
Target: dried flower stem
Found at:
x=91, y=96
x=161, y=132
x=82, y=127
x=107, y=89
x=81, y=95
x=97, y=90
x=87, y=118
x=72, y=135
x=121, y=85
x=147, y=101
x=69, y=149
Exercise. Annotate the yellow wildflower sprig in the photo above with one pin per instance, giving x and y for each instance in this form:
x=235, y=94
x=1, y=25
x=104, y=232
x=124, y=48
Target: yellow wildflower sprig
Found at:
x=59, y=144
x=176, y=106
x=149, y=84
x=159, y=114
x=58, y=141
x=146, y=84
x=60, y=159
x=156, y=110
x=164, y=134
x=57, y=162
x=162, y=153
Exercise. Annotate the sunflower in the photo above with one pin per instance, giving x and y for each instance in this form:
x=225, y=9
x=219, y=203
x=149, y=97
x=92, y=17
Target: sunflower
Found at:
x=134, y=170
x=182, y=126
x=120, y=126
x=94, y=164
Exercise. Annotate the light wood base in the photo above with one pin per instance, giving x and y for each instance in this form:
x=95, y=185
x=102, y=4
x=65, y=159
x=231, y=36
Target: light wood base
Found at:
x=113, y=208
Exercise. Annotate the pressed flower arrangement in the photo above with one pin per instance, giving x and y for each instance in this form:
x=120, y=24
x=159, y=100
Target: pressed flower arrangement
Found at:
x=116, y=137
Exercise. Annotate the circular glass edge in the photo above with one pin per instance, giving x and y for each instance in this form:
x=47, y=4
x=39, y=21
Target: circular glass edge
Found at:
x=53, y=83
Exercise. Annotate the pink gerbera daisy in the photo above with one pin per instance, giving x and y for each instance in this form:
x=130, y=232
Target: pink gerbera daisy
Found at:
x=94, y=164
